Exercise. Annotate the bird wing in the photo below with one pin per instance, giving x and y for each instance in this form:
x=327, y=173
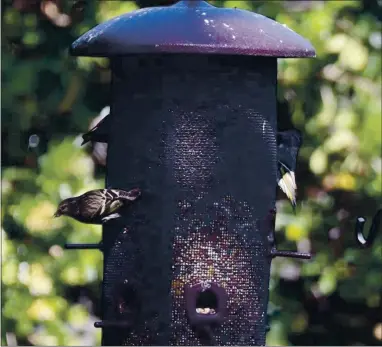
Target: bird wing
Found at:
x=103, y=202
x=288, y=146
x=94, y=128
x=288, y=185
x=116, y=198
x=100, y=130
x=112, y=201
x=92, y=203
x=102, y=122
x=102, y=126
x=130, y=195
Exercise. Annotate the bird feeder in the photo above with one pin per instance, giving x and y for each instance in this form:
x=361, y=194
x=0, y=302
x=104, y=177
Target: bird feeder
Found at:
x=193, y=125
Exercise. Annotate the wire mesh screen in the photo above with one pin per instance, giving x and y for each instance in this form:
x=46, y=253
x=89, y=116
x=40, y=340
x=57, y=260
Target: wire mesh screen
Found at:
x=197, y=135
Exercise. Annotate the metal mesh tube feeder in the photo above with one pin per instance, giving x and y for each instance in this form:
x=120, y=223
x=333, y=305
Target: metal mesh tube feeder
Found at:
x=193, y=125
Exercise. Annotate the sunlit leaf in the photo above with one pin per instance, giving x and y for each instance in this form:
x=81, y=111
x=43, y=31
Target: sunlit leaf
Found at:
x=327, y=282
x=110, y=9
x=355, y=62
x=318, y=161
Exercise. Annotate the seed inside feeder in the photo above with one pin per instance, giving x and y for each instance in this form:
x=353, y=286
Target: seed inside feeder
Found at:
x=205, y=310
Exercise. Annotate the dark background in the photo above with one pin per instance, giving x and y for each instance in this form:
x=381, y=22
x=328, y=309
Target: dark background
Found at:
x=51, y=296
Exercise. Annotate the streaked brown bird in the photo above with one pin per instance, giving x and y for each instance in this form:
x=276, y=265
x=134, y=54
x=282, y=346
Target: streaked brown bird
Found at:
x=97, y=206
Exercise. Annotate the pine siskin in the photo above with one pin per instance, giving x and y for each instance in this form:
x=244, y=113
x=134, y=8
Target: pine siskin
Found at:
x=99, y=133
x=288, y=146
x=97, y=206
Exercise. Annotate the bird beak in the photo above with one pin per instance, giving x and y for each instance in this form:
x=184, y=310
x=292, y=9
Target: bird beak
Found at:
x=57, y=214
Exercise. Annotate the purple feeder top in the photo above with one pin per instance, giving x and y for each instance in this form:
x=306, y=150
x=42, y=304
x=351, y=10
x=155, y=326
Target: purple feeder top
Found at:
x=192, y=26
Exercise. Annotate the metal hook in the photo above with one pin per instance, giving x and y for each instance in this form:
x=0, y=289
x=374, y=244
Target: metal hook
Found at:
x=366, y=242
x=273, y=251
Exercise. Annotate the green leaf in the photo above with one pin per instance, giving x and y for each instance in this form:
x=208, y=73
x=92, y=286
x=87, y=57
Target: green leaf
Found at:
x=327, y=283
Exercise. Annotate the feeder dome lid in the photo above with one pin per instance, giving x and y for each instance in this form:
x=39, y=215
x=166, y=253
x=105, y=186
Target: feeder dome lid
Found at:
x=192, y=26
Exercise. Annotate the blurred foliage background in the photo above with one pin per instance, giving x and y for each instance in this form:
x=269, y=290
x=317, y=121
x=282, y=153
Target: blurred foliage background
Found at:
x=52, y=297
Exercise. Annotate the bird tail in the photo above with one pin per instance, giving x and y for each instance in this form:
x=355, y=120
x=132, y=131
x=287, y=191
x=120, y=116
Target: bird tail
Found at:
x=130, y=195
x=288, y=185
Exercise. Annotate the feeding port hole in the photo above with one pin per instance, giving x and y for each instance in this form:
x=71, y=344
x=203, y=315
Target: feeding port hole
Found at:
x=207, y=302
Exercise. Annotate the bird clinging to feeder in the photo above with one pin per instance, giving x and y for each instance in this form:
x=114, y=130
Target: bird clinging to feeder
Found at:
x=97, y=206
x=288, y=146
